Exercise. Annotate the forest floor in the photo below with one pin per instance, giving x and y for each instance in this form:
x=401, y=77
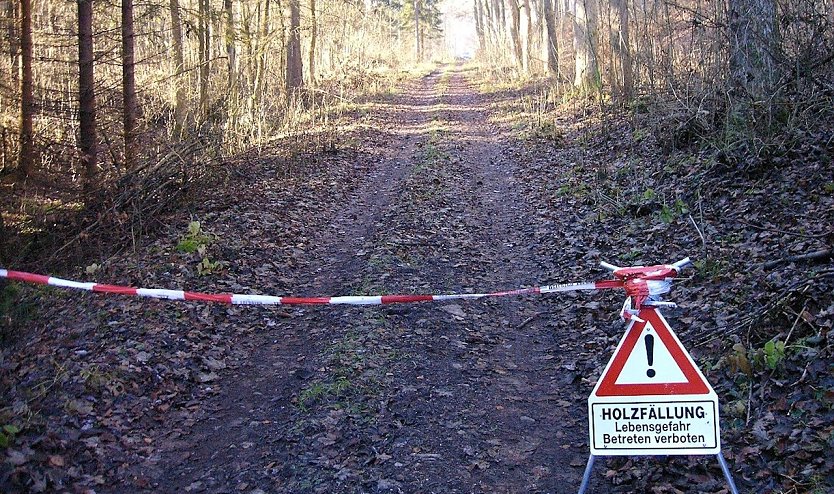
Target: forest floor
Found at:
x=445, y=186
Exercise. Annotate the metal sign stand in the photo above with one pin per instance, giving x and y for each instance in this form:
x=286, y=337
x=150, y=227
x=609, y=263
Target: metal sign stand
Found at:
x=728, y=476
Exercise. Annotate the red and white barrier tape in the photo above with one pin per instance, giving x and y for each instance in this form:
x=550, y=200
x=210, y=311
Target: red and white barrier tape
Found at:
x=237, y=299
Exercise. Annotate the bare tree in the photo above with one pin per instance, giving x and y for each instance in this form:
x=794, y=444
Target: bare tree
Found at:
x=228, y=8
x=314, y=34
x=87, y=96
x=479, y=25
x=262, y=51
x=528, y=60
x=179, y=66
x=204, y=40
x=130, y=106
x=515, y=26
x=584, y=42
x=417, y=38
x=26, y=155
x=295, y=74
x=552, y=38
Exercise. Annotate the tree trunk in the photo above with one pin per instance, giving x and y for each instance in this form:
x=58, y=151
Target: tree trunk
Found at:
x=13, y=14
x=623, y=48
x=528, y=60
x=204, y=42
x=260, y=83
x=418, y=49
x=87, y=96
x=130, y=106
x=584, y=42
x=314, y=35
x=515, y=26
x=552, y=39
x=231, y=54
x=752, y=68
x=479, y=26
x=295, y=72
x=179, y=65
x=26, y=158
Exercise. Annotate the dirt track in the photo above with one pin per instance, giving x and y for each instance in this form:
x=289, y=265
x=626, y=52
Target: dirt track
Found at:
x=466, y=397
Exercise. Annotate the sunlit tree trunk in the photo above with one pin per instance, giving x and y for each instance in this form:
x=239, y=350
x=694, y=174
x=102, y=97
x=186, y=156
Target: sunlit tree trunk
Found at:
x=87, y=96
x=417, y=38
x=528, y=60
x=584, y=41
x=130, y=107
x=314, y=35
x=204, y=42
x=231, y=53
x=179, y=65
x=26, y=156
x=14, y=22
x=260, y=83
x=515, y=26
x=479, y=26
x=623, y=48
x=295, y=73
x=552, y=38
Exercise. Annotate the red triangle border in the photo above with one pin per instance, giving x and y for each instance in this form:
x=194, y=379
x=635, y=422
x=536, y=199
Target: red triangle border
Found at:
x=695, y=385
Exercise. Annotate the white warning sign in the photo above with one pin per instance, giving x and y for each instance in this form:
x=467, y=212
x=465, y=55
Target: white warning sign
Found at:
x=637, y=427
x=651, y=398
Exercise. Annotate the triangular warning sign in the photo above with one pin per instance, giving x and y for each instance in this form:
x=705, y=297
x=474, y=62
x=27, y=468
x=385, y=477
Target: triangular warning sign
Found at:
x=650, y=360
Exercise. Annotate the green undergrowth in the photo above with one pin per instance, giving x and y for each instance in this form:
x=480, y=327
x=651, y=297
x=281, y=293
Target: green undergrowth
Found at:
x=357, y=365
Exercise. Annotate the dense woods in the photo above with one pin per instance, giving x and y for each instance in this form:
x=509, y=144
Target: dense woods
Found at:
x=366, y=147
x=227, y=69
x=756, y=70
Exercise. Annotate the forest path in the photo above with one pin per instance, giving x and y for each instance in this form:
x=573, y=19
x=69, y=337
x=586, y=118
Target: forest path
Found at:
x=464, y=397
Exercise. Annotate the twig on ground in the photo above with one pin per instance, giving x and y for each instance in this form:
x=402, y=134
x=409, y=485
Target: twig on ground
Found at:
x=808, y=256
x=792, y=234
x=528, y=320
x=700, y=234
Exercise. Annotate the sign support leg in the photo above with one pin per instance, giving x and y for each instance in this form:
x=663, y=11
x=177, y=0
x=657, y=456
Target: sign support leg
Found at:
x=727, y=474
x=586, y=478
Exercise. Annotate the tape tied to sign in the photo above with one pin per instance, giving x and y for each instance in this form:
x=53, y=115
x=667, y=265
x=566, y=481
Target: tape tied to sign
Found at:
x=642, y=285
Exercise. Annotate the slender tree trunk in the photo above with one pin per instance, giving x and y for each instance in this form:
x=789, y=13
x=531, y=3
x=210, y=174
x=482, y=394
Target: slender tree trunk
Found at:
x=130, y=106
x=179, y=65
x=87, y=96
x=584, y=42
x=295, y=72
x=515, y=26
x=13, y=13
x=314, y=35
x=262, y=48
x=204, y=41
x=231, y=54
x=479, y=26
x=528, y=59
x=26, y=157
x=417, y=45
x=552, y=38
x=624, y=51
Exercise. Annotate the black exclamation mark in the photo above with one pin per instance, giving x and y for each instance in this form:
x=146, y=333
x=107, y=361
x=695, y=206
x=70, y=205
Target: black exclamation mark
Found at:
x=649, y=339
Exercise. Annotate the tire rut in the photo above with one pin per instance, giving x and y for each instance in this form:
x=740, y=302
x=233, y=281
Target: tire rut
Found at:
x=462, y=397
x=247, y=419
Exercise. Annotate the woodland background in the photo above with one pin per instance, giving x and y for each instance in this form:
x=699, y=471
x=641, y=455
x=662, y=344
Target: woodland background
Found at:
x=97, y=96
